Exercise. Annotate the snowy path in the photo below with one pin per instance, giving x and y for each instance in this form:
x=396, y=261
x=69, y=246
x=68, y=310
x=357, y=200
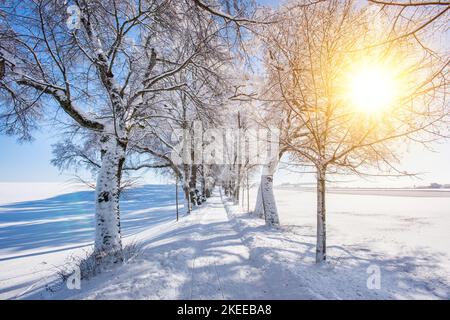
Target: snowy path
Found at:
x=222, y=269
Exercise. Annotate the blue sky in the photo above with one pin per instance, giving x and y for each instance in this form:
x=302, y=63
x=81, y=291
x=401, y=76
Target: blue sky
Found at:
x=28, y=162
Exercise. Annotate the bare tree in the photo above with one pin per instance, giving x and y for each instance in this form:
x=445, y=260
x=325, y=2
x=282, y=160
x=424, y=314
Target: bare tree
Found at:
x=313, y=57
x=413, y=19
x=278, y=122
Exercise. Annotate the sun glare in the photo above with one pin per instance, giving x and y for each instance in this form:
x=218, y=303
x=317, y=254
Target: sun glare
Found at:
x=372, y=88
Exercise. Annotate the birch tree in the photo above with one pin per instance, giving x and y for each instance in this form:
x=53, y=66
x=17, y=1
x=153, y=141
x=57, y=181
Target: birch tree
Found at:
x=103, y=63
x=321, y=62
x=278, y=123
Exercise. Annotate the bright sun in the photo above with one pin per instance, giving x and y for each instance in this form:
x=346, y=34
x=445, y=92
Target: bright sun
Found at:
x=372, y=88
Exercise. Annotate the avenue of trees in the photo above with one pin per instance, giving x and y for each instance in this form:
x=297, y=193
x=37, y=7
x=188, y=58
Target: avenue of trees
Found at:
x=158, y=84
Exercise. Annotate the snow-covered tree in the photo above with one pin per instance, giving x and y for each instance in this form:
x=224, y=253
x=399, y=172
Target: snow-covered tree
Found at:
x=104, y=64
x=354, y=94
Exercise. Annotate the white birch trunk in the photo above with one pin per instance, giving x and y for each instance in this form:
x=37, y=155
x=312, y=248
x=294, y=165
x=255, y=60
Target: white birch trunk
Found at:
x=321, y=215
x=268, y=201
x=187, y=198
x=237, y=185
x=107, y=215
x=266, y=206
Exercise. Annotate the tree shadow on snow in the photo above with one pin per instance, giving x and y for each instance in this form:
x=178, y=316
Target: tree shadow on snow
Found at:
x=68, y=219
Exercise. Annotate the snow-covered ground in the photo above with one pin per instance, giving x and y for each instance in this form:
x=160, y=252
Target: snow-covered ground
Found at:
x=218, y=253
x=403, y=233
x=43, y=224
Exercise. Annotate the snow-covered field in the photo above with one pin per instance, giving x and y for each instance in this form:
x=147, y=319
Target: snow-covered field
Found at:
x=403, y=232
x=219, y=254
x=386, y=221
x=42, y=224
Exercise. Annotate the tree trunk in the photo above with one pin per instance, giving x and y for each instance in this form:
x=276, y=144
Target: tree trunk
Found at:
x=193, y=184
x=208, y=192
x=242, y=195
x=266, y=206
x=248, y=194
x=176, y=194
x=230, y=188
x=237, y=185
x=226, y=188
x=203, y=181
x=321, y=215
x=268, y=201
x=236, y=194
x=107, y=214
x=187, y=196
